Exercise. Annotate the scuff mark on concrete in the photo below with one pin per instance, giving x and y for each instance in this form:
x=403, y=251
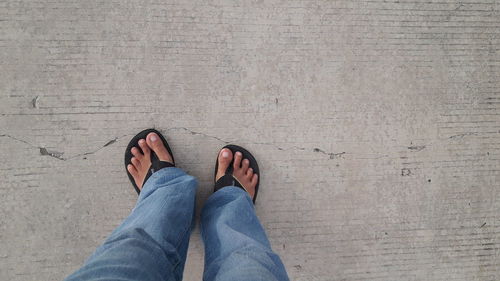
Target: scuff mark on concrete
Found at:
x=337, y=155
x=416, y=148
x=55, y=154
x=34, y=102
x=405, y=172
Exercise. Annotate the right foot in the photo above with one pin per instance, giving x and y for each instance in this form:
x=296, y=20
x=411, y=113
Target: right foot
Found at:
x=241, y=170
x=141, y=163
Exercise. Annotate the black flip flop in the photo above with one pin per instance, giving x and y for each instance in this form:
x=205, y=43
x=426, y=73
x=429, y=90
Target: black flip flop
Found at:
x=156, y=164
x=228, y=179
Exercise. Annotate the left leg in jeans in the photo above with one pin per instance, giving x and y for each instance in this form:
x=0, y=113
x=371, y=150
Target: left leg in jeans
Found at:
x=236, y=246
x=152, y=242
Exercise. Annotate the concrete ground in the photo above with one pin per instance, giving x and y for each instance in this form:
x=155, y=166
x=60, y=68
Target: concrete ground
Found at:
x=376, y=124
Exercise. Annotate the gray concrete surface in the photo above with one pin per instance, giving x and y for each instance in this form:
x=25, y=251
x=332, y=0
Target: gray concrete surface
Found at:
x=376, y=123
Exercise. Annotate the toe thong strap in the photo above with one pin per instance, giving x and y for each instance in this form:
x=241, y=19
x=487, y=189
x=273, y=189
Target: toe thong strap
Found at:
x=155, y=167
x=158, y=165
x=227, y=180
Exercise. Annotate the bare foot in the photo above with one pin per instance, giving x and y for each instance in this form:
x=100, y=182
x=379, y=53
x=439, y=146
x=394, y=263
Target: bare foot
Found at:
x=241, y=170
x=141, y=162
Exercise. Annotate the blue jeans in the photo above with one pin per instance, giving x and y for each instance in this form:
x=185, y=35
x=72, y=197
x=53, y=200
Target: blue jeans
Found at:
x=152, y=242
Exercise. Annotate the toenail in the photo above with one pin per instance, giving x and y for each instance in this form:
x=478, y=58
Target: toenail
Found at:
x=238, y=153
x=154, y=138
x=141, y=141
x=225, y=154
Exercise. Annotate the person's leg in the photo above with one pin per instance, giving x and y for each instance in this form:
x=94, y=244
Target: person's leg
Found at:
x=152, y=242
x=236, y=246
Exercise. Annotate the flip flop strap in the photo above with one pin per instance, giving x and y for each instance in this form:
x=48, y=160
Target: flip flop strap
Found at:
x=155, y=167
x=158, y=165
x=228, y=180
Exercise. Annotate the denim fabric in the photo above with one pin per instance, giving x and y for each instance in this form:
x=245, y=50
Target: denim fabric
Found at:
x=236, y=246
x=152, y=242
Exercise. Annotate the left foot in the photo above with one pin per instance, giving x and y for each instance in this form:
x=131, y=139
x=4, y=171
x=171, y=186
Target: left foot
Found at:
x=141, y=162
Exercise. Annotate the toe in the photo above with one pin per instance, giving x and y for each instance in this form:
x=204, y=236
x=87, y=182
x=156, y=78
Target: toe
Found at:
x=255, y=178
x=135, y=162
x=237, y=160
x=245, y=164
x=153, y=141
x=249, y=173
x=225, y=157
x=137, y=154
x=132, y=170
x=144, y=146
x=156, y=144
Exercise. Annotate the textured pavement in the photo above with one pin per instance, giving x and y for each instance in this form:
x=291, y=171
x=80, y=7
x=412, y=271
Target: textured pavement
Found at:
x=376, y=124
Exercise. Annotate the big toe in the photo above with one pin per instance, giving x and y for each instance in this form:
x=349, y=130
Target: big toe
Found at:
x=156, y=144
x=225, y=157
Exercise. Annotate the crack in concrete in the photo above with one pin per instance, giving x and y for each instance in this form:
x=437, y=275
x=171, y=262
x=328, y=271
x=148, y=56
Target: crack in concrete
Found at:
x=59, y=155
x=198, y=133
x=43, y=151
x=19, y=140
x=96, y=150
x=330, y=154
x=459, y=136
x=110, y=142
